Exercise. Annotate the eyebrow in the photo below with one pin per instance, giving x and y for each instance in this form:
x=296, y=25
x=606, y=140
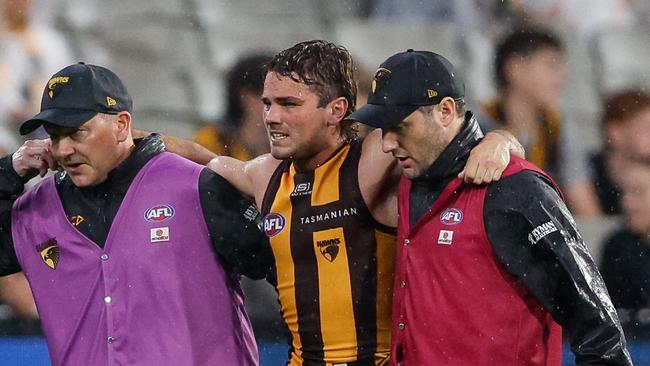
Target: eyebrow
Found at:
x=284, y=99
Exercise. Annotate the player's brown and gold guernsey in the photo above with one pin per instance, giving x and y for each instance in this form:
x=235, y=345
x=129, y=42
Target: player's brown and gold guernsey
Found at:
x=334, y=263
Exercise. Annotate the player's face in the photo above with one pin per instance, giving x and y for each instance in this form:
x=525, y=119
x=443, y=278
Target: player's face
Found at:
x=635, y=184
x=297, y=127
x=86, y=153
x=416, y=142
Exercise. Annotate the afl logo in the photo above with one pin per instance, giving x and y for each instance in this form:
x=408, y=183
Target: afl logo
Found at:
x=451, y=216
x=273, y=224
x=159, y=213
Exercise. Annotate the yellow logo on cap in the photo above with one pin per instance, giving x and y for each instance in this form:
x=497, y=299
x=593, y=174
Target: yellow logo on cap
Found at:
x=110, y=101
x=380, y=75
x=432, y=93
x=54, y=82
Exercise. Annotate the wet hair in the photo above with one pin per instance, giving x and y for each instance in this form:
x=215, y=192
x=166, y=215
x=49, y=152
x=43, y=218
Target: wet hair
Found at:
x=624, y=105
x=522, y=43
x=326, y=68
x=246, y=74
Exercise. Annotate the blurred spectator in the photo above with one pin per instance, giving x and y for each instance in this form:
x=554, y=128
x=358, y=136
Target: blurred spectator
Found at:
x=625, y=265
x=625, y=131
x=29, y=53
x=241, y=133
x=363, y=76
x=465, y=14
x=530, y=74
x=587, y=16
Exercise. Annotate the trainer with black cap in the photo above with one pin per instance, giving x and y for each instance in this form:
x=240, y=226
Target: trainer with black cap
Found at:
x=131, y=252
x=487, y=275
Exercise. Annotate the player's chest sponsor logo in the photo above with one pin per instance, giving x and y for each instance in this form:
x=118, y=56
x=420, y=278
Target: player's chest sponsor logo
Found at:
x=329, y=248
x=451, y=216
x=329, y=215
x=159, y=234
x=273, y=224
x=541, y=231
x=159, y=213
x=49, y=252
x=302, y=189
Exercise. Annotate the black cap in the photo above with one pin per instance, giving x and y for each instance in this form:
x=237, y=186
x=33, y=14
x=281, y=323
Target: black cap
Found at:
x=76, y=94
x=405, y=82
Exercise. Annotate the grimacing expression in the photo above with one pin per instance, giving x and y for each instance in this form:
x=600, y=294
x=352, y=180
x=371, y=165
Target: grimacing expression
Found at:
x=86, y=153
x=416, y=142
x=294, y=121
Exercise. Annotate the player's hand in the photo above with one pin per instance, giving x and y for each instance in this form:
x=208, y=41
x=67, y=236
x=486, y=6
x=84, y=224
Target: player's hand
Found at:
x=487, y=160
x=33, y=158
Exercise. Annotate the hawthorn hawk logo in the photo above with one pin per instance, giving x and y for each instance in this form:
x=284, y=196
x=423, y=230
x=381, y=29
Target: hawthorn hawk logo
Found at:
x=49, y=251
x=329, y=248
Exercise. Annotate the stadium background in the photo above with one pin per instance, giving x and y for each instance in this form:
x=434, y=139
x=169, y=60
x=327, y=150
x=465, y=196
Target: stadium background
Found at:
x=173, y=56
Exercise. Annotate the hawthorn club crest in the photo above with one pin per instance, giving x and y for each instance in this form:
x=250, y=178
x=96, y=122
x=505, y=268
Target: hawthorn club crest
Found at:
x=381, y=77
x=49, y=252
x=329, y=248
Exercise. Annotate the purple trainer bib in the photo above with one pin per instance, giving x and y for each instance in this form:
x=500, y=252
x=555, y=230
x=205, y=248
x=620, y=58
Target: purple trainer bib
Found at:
x=155, y=295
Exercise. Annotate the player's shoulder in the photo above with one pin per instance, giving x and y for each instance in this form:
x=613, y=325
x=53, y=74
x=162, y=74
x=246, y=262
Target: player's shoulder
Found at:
x=263, y=165
x=260, y=170
x=374, y=162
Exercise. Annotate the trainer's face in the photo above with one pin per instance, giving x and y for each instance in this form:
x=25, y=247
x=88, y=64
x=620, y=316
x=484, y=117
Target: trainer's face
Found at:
x=89, y=152
x=416, y=142
x=296, y=126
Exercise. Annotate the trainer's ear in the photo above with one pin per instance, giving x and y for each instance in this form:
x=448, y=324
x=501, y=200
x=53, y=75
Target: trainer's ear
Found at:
x=447, y=107
x=338, y=109
x=123, y=125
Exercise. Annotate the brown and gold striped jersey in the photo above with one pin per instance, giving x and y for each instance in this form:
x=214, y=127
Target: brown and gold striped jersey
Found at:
x=334, y=263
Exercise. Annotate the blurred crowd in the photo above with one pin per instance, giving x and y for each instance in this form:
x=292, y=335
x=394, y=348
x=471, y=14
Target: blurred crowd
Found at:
x=518, y=50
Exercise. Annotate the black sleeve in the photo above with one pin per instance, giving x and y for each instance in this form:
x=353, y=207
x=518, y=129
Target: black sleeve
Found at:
x=11, y=185
x=234, y=225
x=534, y=236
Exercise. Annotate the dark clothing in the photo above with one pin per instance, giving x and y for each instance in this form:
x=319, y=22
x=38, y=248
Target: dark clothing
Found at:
x=91, y=210
x=626, y=270
x=555, y=267
x=609, y=195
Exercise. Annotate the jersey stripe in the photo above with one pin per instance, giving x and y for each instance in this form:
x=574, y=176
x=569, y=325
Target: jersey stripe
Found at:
x=333, y=266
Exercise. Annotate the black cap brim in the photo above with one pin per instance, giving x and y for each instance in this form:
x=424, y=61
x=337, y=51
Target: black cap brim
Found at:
x=60, y=116
x=382, y=116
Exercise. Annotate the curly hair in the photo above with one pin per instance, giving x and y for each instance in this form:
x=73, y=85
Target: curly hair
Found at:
x=326, y=68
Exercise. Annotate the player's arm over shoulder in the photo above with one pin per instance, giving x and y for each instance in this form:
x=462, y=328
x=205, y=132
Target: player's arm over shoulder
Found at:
x=249, y=177
x=378, y=179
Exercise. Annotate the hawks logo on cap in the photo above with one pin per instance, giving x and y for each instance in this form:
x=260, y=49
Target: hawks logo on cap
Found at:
x=49, y=251
x=51, y=85
x=380, y=78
